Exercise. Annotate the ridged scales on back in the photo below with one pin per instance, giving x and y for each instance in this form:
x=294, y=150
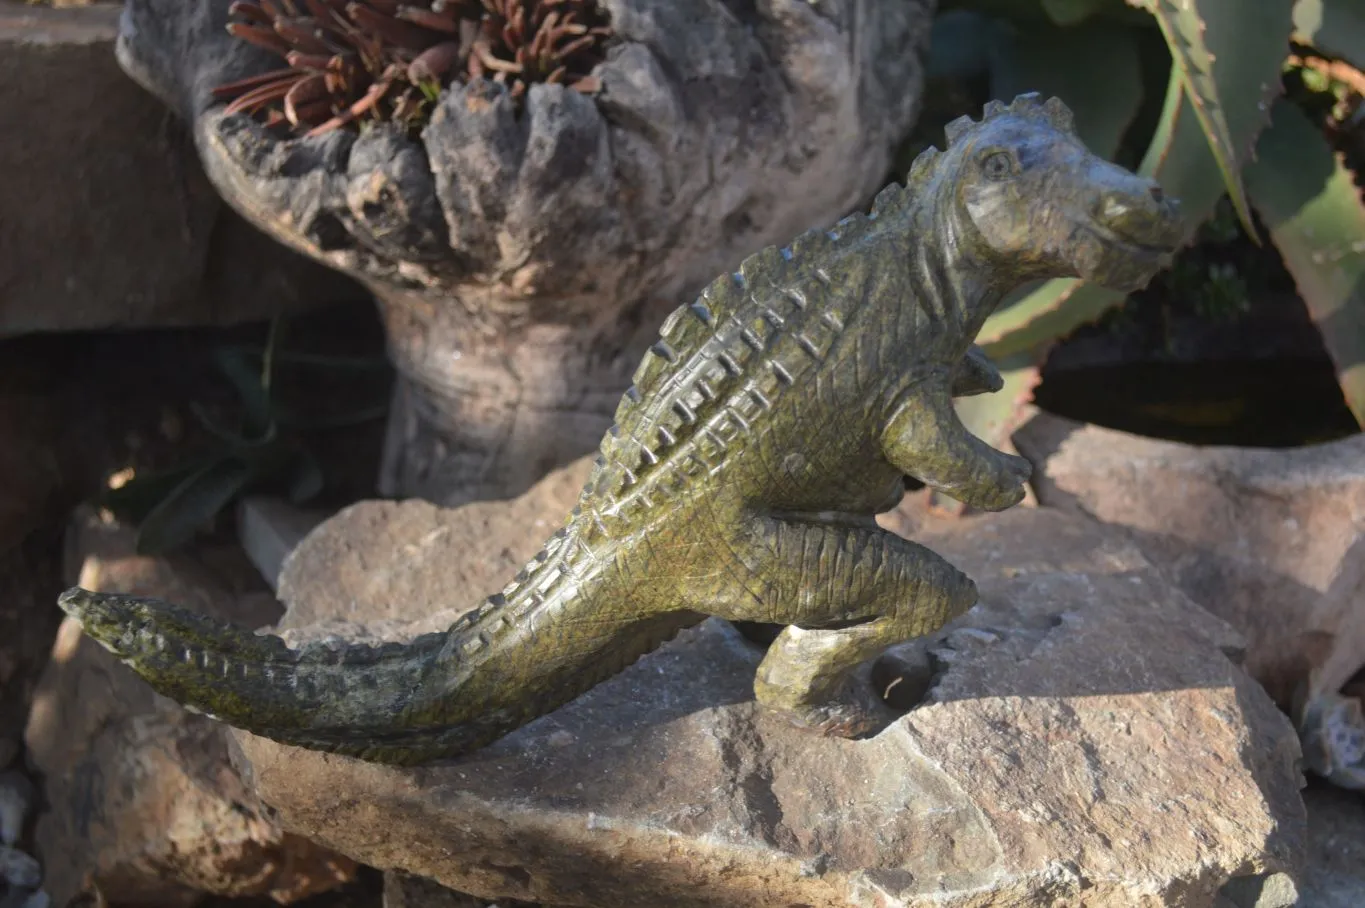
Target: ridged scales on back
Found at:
x=720, y=365
x=775, y=416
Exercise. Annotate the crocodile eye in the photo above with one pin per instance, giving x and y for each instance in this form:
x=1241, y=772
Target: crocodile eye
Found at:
x=997, y=166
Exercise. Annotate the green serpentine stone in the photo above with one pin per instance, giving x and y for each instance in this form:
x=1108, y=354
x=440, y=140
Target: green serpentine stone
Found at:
x=775, y=416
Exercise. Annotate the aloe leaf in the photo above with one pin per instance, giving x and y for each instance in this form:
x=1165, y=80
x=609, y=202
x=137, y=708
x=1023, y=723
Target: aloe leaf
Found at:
x=1189, y=26
x=1049, y=312
x=994, y=417
x=1249, y=43
x=1313, y=209
x=191, y=504
x=1335, y=27
x=252, y=390
x=1093, y=68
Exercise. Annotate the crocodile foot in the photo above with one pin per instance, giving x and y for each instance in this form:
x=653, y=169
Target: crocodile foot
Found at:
x=852, y=711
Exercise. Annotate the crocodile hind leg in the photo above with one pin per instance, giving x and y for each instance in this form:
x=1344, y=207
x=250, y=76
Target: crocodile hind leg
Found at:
x=926, y=440
x=847, y=593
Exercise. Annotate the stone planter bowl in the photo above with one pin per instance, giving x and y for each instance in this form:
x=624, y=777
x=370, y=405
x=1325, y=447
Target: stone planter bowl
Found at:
x=523, y=255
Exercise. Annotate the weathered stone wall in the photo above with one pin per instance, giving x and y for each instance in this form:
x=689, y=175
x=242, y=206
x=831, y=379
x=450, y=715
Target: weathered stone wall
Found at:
x=106, y=217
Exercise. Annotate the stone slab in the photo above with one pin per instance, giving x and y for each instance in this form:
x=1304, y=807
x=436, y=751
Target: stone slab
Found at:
x=141, y=801
x=111, y=221
x=1081, y=738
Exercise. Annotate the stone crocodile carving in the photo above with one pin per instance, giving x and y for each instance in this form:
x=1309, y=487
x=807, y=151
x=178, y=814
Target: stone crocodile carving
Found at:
x=774, y=418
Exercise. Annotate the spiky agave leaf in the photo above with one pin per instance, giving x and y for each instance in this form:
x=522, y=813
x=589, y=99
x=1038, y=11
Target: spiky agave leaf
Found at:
x=1316, y=218
x=350, y=61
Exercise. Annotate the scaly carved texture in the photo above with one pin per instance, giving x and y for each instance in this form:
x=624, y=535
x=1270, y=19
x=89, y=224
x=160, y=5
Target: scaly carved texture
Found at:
x=775, y=416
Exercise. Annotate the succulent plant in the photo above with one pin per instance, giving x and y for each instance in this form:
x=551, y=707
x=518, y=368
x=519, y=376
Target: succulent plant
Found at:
x=349, y=61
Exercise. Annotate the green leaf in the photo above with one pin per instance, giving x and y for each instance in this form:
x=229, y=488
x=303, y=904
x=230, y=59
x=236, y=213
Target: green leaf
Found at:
x=1250, y=46
x=253, y=391
x=1053, y=310
x=1249, y=43
x=1093, y=68
x=1313, y=209
x=191, y=504
x=1335, y=27
x=1191, y=27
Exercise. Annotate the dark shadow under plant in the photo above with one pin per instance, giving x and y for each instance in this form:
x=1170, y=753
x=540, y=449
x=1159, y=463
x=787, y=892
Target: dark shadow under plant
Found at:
x=260, y=447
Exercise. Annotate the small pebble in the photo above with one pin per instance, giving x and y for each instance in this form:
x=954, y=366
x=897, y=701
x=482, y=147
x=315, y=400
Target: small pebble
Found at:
x=18, y=869
x=17, y=795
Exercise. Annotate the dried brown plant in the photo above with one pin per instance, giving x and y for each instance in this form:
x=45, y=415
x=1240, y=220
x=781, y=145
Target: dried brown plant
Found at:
x=349, y=61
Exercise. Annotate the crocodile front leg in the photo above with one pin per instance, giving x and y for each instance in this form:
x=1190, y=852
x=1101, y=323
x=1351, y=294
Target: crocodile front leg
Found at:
x=976, y=374
x=848, y=592
x=926, y=440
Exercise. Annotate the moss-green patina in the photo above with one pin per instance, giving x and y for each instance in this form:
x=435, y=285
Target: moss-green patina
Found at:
x=774, y=418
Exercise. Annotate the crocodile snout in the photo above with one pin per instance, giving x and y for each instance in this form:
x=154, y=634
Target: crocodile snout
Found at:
x=1137, y=211
x=1128, y=232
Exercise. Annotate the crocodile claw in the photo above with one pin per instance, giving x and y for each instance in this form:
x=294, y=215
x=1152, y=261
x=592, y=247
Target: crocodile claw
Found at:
x=852, y=711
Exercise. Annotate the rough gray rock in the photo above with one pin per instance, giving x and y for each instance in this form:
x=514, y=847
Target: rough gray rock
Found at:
x=524, y=260
x=19, y=870
x=17, y=796
x=1334, y=876
x=1272, y=541
x=114, y=223
x=1262, y=890
x=141, y=800
x=269, y=528
x=30, y=578
x=1077, y=738
x=403, y=890
x=36, y=899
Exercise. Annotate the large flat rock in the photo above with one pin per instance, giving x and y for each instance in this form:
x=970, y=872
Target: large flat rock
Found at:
x=141, y=802
x=1271, y=540
x=1334, y=876
x=113, y=223
x=1084, y=740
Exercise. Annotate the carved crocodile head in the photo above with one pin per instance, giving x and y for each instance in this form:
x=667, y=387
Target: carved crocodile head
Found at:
x=1032, y=199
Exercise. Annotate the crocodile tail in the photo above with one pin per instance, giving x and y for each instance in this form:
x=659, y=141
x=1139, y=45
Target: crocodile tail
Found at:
x=357, y=699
